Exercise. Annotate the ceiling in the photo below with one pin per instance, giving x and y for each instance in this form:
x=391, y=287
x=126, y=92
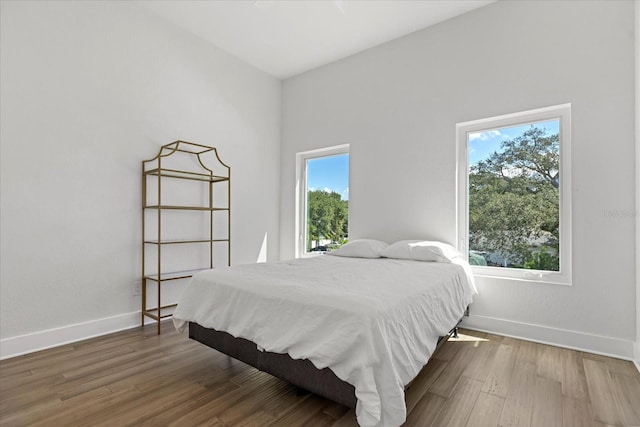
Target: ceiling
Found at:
x=287, y=37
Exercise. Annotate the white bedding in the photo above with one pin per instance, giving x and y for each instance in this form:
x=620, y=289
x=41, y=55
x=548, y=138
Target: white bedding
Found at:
x=374, y=322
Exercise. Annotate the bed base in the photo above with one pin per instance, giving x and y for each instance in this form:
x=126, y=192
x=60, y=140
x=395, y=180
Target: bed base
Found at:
x=301, y=373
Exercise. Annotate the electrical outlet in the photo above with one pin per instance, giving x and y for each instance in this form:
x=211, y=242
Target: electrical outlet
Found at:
x=137, y=288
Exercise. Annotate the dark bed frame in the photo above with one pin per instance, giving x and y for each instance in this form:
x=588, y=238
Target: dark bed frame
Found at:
x=301, y=373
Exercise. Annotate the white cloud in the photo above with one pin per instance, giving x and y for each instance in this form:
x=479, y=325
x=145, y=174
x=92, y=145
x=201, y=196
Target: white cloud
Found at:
x=484, y=136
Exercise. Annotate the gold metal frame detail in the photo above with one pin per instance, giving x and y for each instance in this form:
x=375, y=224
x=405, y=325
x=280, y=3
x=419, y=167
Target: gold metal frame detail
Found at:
x=153, y=168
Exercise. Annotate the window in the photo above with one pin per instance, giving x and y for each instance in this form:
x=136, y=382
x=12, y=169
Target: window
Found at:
x=323, y=200
x=514, y=195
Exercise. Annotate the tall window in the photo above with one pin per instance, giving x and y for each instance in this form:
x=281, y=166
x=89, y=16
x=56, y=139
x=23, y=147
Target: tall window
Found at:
x=514, y=195
x=323, y=199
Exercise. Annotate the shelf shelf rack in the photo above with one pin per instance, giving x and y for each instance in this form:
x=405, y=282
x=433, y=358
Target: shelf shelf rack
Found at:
x=156, y=168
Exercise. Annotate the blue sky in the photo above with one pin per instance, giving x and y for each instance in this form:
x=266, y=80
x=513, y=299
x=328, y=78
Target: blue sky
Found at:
x=482, y=144
x=329, y=173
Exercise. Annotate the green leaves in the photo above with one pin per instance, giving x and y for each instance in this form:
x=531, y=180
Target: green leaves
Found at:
x=514, y=203
x=327, y=216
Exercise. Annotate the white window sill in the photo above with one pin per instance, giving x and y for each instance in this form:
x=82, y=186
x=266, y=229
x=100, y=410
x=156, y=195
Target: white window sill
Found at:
x=533, y=277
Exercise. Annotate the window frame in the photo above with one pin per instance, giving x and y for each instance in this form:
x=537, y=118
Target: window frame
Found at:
x=301, y=192
x=558, y=112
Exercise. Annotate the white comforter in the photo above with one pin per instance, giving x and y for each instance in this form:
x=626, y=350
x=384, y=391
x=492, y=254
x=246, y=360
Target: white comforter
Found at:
x=374, y=322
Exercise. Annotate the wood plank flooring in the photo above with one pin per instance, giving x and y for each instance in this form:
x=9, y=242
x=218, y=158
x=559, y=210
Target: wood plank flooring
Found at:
x=136, y=378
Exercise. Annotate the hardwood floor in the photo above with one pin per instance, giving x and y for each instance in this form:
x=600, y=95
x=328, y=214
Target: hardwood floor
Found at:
x=138, y=378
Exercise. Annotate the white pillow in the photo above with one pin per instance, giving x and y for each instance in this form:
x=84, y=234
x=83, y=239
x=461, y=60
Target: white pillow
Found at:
x=421, y=250
x=360, y=248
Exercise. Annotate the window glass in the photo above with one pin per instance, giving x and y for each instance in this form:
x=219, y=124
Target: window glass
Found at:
x=327, y=213
x=322, y=200
x=514, y=194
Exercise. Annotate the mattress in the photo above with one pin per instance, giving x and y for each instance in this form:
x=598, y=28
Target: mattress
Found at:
x=373, y=322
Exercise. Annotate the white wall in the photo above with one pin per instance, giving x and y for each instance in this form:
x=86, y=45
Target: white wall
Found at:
x=397, y=105
x=89, y=89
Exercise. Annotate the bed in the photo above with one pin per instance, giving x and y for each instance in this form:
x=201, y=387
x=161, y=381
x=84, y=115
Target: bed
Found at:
x=356, y=327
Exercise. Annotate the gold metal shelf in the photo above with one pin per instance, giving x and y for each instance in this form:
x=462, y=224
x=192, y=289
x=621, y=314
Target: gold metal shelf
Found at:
x=167, y=164
x=174, y=275
x=153, y=313
x=186, y=208
x=196, y=176
x=177, y=242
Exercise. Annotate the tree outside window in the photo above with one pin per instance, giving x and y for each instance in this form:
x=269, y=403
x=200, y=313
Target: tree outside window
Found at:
x=514, y=195
x=324, y=199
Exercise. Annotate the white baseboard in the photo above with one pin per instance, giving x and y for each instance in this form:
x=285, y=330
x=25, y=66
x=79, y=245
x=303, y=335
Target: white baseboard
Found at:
x=16, y=346
x=606, y=346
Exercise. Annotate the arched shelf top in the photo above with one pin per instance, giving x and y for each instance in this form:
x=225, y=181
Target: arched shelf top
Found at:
x=158, y=164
